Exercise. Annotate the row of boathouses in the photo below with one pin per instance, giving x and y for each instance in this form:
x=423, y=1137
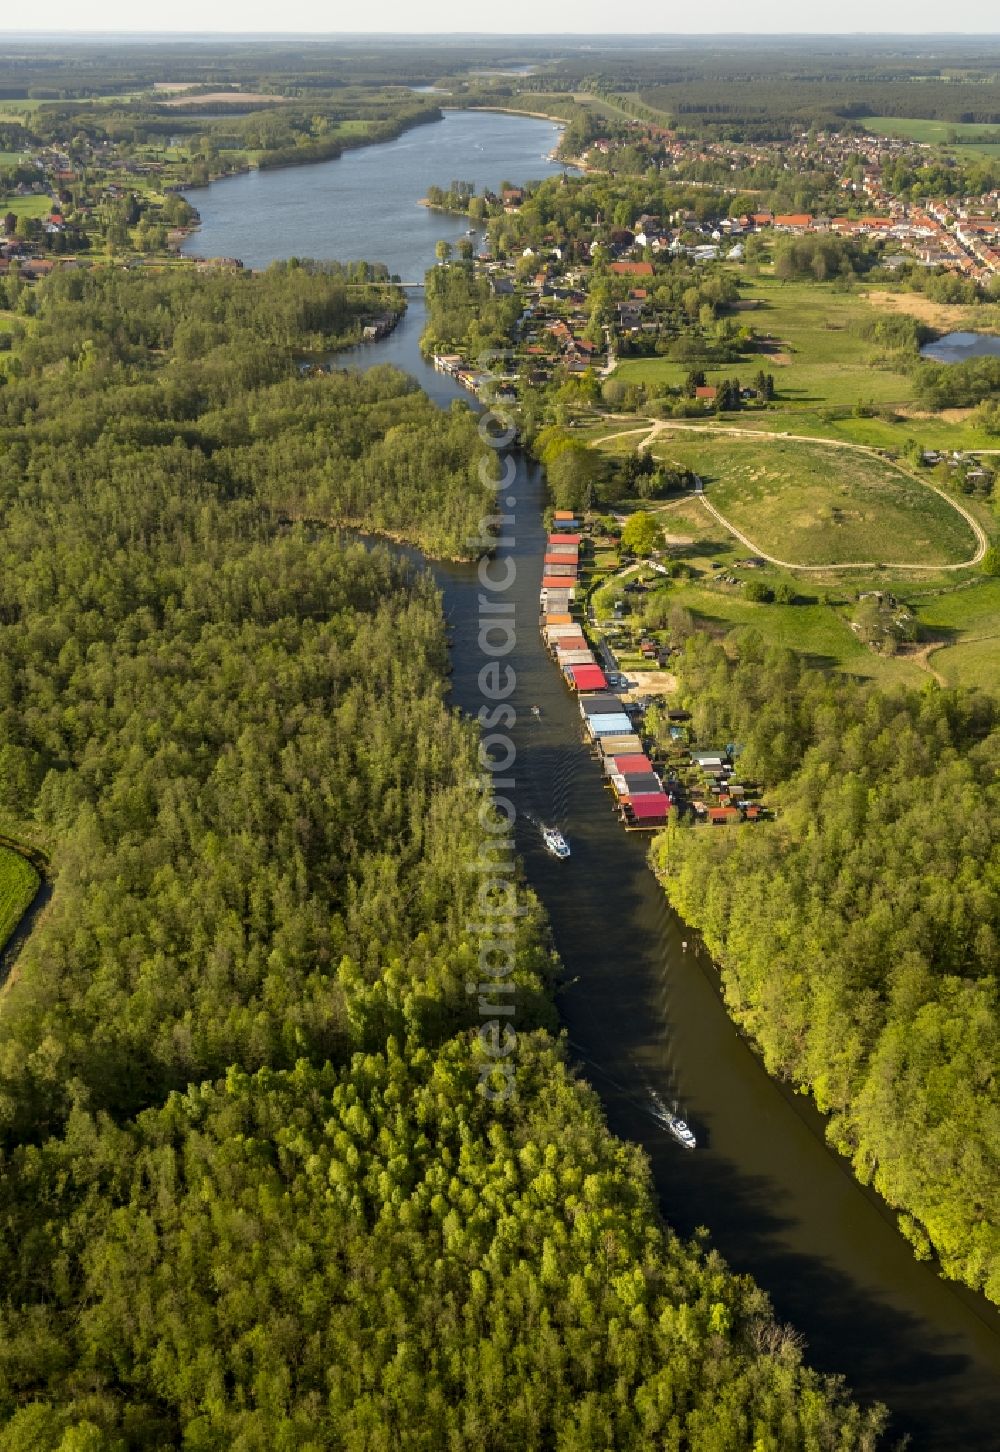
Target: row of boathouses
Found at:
x=607, y=721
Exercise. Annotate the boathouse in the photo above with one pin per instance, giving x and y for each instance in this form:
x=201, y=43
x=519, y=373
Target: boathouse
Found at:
x=627, y=744
x=556, y=582
x=649, y=810
x=614, y=723
x=629, y=765
x=588, y=678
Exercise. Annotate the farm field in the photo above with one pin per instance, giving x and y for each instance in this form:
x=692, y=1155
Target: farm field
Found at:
x=937, y=133
x=223, y=98
x=18, y=885
x=817, y=506
x=814, y=354
x=19, y=109
x=974, y=608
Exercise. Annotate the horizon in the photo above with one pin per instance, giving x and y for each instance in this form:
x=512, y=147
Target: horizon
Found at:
x=109, y=29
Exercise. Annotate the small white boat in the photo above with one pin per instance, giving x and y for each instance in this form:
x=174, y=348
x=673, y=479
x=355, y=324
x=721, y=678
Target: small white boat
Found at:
x=555, y=842
x=671, y=1122
x=536, y=710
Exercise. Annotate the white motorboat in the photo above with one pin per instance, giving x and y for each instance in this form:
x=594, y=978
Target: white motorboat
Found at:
x=555, y=842
x=674, y=1125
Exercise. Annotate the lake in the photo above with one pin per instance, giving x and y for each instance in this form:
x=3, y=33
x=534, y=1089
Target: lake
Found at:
x=960, y=347
x=365, y=203
x=641, y=1013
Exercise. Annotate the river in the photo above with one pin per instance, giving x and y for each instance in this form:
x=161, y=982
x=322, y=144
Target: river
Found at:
x=641, y=1013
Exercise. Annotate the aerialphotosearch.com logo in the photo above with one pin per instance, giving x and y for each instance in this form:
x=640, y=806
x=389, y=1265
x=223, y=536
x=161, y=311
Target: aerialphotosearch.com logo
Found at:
x=497, y=904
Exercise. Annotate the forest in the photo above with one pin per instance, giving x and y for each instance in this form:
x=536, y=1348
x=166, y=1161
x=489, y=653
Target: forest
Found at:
x=226, y=380
x=249, y=1195
x=859, y=933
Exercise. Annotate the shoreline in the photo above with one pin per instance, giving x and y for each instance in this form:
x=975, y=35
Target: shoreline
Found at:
x=513, y=111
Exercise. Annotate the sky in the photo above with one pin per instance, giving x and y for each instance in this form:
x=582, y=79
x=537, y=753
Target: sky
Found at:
x=511, y=17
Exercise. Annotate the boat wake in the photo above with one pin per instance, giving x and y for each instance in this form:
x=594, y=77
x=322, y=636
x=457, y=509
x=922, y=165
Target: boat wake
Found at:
x=653, y=1105
x=672, y=1123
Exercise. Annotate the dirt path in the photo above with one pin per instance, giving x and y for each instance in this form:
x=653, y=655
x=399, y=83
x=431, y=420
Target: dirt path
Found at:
x=649, y=429
x=657, y=427
x=922, y=657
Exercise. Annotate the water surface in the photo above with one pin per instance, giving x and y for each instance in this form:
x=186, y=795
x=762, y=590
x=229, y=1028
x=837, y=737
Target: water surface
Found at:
x=365, y=204
x=960, y=347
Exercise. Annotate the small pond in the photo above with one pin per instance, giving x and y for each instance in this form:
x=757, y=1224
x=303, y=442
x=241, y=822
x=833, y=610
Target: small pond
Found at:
x=959, y=347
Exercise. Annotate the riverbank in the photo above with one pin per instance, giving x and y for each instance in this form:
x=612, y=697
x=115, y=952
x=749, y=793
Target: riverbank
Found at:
x=19, y=883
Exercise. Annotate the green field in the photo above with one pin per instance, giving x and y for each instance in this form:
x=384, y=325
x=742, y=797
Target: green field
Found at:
x=877, y=433
x=967, y=621
x=21, y=109
x=974, y=607
x=820, y=632
x=938, y=133
x=814, y=354
x=817, y=625
x=18, y=884
x=36, y=205
x=812, y=505
x=970, y=663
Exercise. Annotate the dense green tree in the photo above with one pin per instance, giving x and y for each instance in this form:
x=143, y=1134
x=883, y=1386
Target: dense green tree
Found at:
x=642, y=534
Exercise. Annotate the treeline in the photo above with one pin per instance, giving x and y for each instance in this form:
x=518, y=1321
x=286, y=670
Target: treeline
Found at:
x=957, y=385
x=306, y=148
x=249, y=1194
x=769, y=107
x=819, y=257
x=859, y=934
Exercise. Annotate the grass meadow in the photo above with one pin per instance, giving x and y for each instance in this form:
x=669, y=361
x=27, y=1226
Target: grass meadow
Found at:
x=813, y=350
x=812, y=505
x=939, y=133
x=35, y=205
